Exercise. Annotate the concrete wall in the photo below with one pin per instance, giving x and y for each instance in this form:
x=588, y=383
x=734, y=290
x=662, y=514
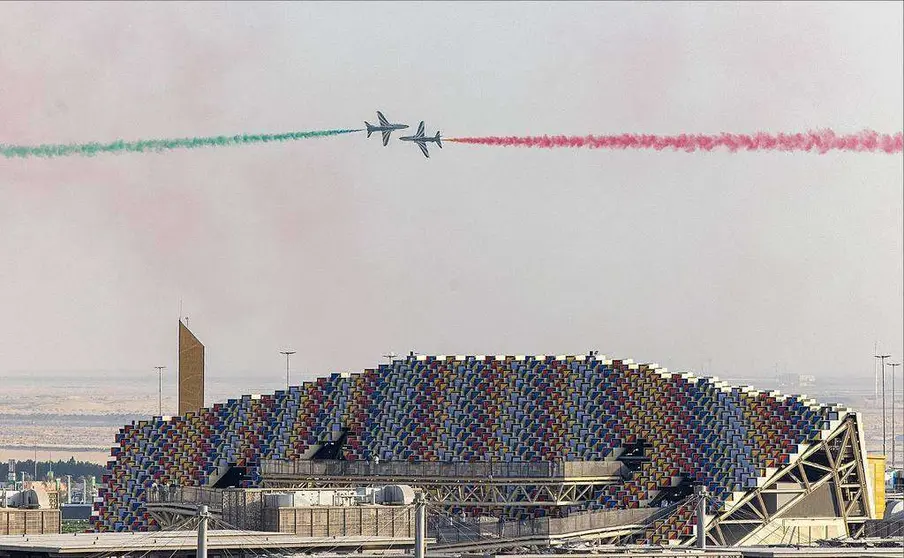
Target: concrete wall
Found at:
x=15, y=521
x=328, y=521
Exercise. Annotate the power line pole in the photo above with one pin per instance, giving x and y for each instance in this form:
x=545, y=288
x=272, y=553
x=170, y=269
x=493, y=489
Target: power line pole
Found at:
x=287, y=353
x=160, y=370
x=882, y=360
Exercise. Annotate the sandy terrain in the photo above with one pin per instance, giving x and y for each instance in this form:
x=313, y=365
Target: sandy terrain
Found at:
x=79, y=417
x=98, y=457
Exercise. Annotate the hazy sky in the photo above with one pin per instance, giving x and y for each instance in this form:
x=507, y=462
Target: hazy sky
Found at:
x=344, y=250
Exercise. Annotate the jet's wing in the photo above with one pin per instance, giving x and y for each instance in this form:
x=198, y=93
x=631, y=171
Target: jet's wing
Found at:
x=386, y=137
x=382, y=119
x=423, y=149
x=420, y=130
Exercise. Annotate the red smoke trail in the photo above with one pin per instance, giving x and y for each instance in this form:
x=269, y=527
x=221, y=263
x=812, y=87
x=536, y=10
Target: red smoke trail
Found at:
x=822, y=141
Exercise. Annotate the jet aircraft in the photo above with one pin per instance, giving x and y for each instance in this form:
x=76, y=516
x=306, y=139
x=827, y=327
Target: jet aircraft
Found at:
x=421, y=140
x=385, y=127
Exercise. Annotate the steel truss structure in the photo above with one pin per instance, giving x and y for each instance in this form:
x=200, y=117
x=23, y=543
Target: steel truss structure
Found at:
x=171, y=515
x=464, y=492
x=827, y=481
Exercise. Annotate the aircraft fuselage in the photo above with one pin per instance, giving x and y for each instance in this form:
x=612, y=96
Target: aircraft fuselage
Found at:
x=419, y=139
x=388, y=128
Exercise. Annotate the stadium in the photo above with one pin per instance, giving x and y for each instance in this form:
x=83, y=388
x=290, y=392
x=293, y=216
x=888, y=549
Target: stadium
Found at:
x=523, y=439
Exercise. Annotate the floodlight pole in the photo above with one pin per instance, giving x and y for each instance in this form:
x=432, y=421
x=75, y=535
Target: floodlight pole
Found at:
x=160, y=389
x=893, y=433
x=882, y=359
x=287, y=353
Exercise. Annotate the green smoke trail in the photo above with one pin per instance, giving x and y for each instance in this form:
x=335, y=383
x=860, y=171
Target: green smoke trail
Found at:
x=157, y=145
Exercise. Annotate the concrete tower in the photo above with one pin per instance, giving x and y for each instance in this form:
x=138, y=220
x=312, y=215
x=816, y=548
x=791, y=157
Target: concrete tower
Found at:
x=191, y=371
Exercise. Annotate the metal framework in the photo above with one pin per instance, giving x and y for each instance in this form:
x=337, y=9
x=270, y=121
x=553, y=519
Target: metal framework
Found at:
x=170, y=515
x=600, y=527
x=170, y=506
x=462, y=487
x=830, y=471
x=827, y=481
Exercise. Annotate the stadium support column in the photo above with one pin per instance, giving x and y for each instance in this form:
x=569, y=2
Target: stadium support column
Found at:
x=203, y=515
x=420, y=525
x=700, y=492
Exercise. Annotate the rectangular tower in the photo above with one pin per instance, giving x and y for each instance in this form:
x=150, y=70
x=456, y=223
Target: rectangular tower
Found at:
x=191, y=371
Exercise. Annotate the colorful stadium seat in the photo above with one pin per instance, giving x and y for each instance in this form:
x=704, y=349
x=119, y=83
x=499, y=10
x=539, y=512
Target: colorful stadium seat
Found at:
x=507, y=409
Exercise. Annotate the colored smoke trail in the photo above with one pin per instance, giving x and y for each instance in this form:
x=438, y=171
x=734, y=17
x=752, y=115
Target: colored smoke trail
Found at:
x=822, y=141
x=142, y=146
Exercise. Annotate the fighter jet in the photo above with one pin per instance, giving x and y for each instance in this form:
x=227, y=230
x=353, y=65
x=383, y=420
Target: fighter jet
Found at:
x=385, y=127
x=421, y=140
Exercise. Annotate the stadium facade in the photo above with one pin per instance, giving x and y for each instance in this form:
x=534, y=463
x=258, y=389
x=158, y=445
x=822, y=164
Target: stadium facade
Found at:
x=762, y=456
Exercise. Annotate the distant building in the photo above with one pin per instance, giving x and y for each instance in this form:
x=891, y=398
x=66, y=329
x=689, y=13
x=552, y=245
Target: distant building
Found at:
x=28, y=512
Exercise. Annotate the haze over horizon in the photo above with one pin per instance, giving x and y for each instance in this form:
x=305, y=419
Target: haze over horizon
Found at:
x=343, y=250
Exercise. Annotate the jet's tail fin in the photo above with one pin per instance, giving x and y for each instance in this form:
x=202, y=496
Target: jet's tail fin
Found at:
x=439, y=142
x=370, y=129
